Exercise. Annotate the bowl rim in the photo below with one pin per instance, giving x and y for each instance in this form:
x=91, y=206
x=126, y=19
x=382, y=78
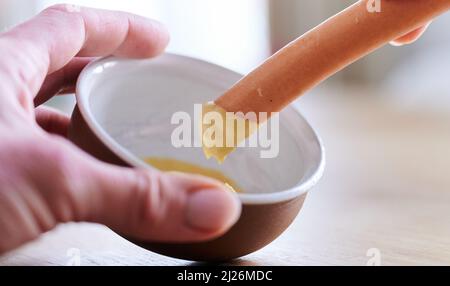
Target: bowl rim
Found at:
x=82, y=97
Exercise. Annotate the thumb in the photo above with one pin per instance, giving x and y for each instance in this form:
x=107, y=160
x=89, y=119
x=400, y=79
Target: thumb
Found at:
x=143, y=204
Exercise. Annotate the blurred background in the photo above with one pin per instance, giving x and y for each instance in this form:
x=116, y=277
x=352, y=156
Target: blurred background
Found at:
x=385, y=122
x=241, y=34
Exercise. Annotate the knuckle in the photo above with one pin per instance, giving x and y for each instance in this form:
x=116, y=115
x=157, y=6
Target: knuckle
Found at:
x=60, y=7
x=62, y=12
x=63, y=15
x=25, y=74
x=148, y=194
x=23, y=67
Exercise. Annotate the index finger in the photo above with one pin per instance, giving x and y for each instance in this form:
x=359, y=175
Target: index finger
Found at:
x=50, y=40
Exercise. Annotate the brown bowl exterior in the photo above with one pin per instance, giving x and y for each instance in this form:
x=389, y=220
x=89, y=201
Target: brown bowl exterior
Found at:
x=258, y=225
x=82, y=136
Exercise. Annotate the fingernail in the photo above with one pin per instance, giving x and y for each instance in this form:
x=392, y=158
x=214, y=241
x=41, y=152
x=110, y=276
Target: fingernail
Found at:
x=212, y=210
x=396, y=44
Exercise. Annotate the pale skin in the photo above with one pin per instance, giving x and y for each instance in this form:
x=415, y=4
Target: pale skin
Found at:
x=45, y=180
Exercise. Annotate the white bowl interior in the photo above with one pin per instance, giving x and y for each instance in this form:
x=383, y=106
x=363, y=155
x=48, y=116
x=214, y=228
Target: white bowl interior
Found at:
x=129, y=104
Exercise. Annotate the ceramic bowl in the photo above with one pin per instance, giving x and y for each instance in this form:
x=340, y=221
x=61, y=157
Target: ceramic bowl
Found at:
x=123, y=114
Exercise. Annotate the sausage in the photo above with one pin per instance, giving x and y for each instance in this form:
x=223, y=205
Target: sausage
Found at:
x=326, y=49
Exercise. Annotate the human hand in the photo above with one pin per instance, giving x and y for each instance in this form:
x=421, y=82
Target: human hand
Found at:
x=410, y=37
x=45, y=180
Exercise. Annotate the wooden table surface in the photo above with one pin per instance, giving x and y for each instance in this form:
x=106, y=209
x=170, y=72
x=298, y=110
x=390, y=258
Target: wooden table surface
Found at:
x=386, y=190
